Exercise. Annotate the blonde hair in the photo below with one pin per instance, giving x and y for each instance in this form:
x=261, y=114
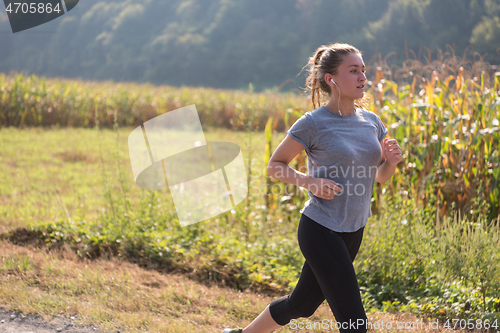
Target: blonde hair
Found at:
x=327, y=59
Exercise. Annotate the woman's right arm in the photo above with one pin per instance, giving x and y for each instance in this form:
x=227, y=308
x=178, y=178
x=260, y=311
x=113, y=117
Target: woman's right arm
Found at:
x=278, y=168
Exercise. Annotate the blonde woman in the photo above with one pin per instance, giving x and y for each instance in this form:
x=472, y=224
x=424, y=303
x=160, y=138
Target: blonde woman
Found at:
x=346, y=153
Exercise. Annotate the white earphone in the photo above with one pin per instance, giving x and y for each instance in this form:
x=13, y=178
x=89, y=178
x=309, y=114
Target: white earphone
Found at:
x=338, y=101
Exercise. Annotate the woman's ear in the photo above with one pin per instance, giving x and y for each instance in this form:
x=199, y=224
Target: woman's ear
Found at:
x=329, y=79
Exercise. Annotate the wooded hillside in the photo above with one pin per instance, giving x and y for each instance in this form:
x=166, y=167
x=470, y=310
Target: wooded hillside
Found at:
x=230, y=43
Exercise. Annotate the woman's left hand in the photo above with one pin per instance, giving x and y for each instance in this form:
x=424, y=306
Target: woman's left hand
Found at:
x=392, y=151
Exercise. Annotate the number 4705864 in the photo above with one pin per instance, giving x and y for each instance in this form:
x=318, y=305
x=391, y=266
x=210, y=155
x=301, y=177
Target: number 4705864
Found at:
x=470, y=324
x=33, y=7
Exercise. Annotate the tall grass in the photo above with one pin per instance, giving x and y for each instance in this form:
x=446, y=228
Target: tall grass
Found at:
x=446, y=269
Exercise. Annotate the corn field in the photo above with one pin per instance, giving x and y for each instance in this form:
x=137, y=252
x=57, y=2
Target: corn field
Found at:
x=39, y=101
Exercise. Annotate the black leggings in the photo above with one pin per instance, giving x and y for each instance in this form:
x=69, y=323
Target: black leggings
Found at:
x=327, y=273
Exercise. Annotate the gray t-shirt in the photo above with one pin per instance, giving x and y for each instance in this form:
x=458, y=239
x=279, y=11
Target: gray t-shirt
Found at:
x=345, y=149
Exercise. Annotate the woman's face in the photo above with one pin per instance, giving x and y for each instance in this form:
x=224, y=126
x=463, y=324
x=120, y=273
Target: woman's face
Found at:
x=350, y=77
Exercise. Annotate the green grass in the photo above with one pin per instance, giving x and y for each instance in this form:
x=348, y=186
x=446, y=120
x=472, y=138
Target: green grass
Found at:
x=20, y=264
x=48, y=172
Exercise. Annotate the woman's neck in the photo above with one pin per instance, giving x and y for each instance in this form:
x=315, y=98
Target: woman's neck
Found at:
x=347, y=108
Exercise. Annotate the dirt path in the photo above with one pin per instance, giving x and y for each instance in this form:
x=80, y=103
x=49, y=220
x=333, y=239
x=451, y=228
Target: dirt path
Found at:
x=11, y=322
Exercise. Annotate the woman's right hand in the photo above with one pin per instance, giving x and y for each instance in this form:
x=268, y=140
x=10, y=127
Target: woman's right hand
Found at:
x=323, y=188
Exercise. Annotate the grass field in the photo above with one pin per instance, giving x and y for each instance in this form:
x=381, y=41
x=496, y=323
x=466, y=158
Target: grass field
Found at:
x=52, y=173
x=81, y=239
x=57, y=180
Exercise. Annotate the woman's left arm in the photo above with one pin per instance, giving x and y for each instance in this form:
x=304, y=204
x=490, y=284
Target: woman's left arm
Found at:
x=391, y=156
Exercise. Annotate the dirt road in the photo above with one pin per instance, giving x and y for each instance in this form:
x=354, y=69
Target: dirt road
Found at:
x=11, y=322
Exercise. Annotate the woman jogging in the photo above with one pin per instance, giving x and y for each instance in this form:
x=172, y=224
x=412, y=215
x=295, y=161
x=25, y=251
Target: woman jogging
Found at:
x=346, y=153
